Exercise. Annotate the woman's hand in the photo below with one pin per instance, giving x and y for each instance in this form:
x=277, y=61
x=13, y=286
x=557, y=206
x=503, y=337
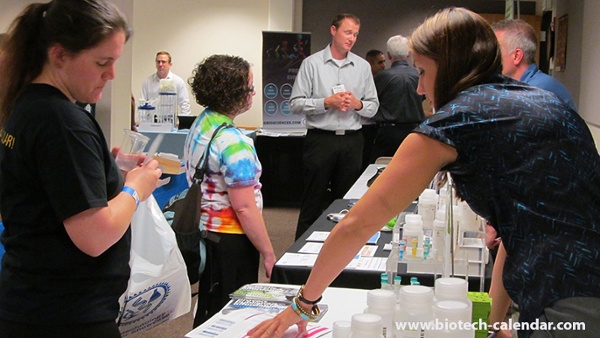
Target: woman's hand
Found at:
x=144, y=179
x=269, y=263
x=140, y=159
x=115, y=151
x=277, y=326
x=491, y=239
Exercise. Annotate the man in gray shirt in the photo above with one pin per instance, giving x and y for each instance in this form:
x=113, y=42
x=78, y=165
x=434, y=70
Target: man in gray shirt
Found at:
x=334, y=89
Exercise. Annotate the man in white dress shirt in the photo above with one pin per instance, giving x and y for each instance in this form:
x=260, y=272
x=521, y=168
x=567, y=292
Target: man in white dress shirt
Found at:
x=150, y=86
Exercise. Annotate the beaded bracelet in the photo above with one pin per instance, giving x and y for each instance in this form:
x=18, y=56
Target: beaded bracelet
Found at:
x=313, y=316
x=306, y=301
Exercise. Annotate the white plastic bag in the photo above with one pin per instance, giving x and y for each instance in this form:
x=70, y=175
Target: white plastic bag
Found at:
x=158, y=289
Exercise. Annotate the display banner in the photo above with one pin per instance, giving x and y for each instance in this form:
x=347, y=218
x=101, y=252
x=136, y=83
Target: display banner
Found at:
x=283, y=53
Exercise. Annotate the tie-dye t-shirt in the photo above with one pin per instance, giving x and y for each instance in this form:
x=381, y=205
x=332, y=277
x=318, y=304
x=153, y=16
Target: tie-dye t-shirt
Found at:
x=528, y=164
x=232, y=162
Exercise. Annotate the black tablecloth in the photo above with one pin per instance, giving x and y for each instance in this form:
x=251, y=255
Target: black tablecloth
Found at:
x=350, y=278
x=281, y=159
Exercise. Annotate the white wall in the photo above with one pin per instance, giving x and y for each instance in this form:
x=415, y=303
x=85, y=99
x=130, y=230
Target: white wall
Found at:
x=113, y=111
x=10, y=10
x=191, y=30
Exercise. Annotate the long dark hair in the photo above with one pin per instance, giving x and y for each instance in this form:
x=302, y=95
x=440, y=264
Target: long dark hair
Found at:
x=464, y=47
x=77, y=25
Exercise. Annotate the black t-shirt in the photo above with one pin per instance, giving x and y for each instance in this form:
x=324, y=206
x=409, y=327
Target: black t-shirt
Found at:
x=55, y=163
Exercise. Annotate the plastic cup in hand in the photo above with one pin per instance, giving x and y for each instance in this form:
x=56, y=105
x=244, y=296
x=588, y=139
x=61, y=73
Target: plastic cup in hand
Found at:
x=131, y=149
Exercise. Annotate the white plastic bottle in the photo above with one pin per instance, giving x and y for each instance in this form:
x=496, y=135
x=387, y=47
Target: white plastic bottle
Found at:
x=413, y=309
x=366, y=325
x=452, y=288
x=413, y=235
x=381, y=303
x=426, y=208
x=450, y=317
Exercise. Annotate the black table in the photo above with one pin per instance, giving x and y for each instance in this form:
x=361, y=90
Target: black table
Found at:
x=350, y=278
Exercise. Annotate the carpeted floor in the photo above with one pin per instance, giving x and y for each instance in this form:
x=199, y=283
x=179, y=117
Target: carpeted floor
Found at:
x=281, y=224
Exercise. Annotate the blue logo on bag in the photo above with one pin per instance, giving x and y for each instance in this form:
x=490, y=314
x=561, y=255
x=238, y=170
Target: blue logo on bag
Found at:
x=143, y=304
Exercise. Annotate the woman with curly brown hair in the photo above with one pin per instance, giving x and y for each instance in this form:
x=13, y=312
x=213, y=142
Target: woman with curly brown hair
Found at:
x=231, y=207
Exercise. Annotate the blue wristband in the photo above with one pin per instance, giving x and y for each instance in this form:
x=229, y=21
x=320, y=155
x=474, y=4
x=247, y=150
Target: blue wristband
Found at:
x=133, y=194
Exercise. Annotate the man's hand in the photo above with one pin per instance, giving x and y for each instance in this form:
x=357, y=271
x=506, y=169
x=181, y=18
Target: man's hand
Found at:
x=338, y=101
x=352, y=102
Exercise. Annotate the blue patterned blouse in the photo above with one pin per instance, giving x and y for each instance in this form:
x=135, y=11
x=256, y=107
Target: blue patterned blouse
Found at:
x=528, y=164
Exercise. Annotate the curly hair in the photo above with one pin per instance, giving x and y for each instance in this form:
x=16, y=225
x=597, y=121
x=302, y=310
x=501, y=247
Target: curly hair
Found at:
x=220, y=82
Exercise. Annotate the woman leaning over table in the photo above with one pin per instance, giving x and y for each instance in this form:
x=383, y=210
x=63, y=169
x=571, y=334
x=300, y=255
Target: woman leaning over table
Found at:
x=64, y=205
x=231, y=207
x=521, y=159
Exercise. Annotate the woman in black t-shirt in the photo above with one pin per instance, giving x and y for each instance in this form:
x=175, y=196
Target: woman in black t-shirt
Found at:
x=65, y=208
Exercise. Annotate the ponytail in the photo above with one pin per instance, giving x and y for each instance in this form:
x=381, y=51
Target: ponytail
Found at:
x=22, y=56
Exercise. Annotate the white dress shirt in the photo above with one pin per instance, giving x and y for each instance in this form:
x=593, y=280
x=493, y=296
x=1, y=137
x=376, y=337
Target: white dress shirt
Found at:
x=150, y=91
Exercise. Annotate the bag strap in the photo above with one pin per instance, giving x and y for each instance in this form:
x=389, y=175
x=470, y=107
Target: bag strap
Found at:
x=204, y=158
x=203, y=164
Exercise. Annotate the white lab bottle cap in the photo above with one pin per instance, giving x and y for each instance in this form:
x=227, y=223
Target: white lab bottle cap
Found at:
x=416, y=294
x=452, y=311
x=380, y=298
x=341, y=329
x=366, y=325
x=428, y=192
x=409, y=218
x=451, y=288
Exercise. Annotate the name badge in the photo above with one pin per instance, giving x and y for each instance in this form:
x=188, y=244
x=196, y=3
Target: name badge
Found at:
x=338, y=89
